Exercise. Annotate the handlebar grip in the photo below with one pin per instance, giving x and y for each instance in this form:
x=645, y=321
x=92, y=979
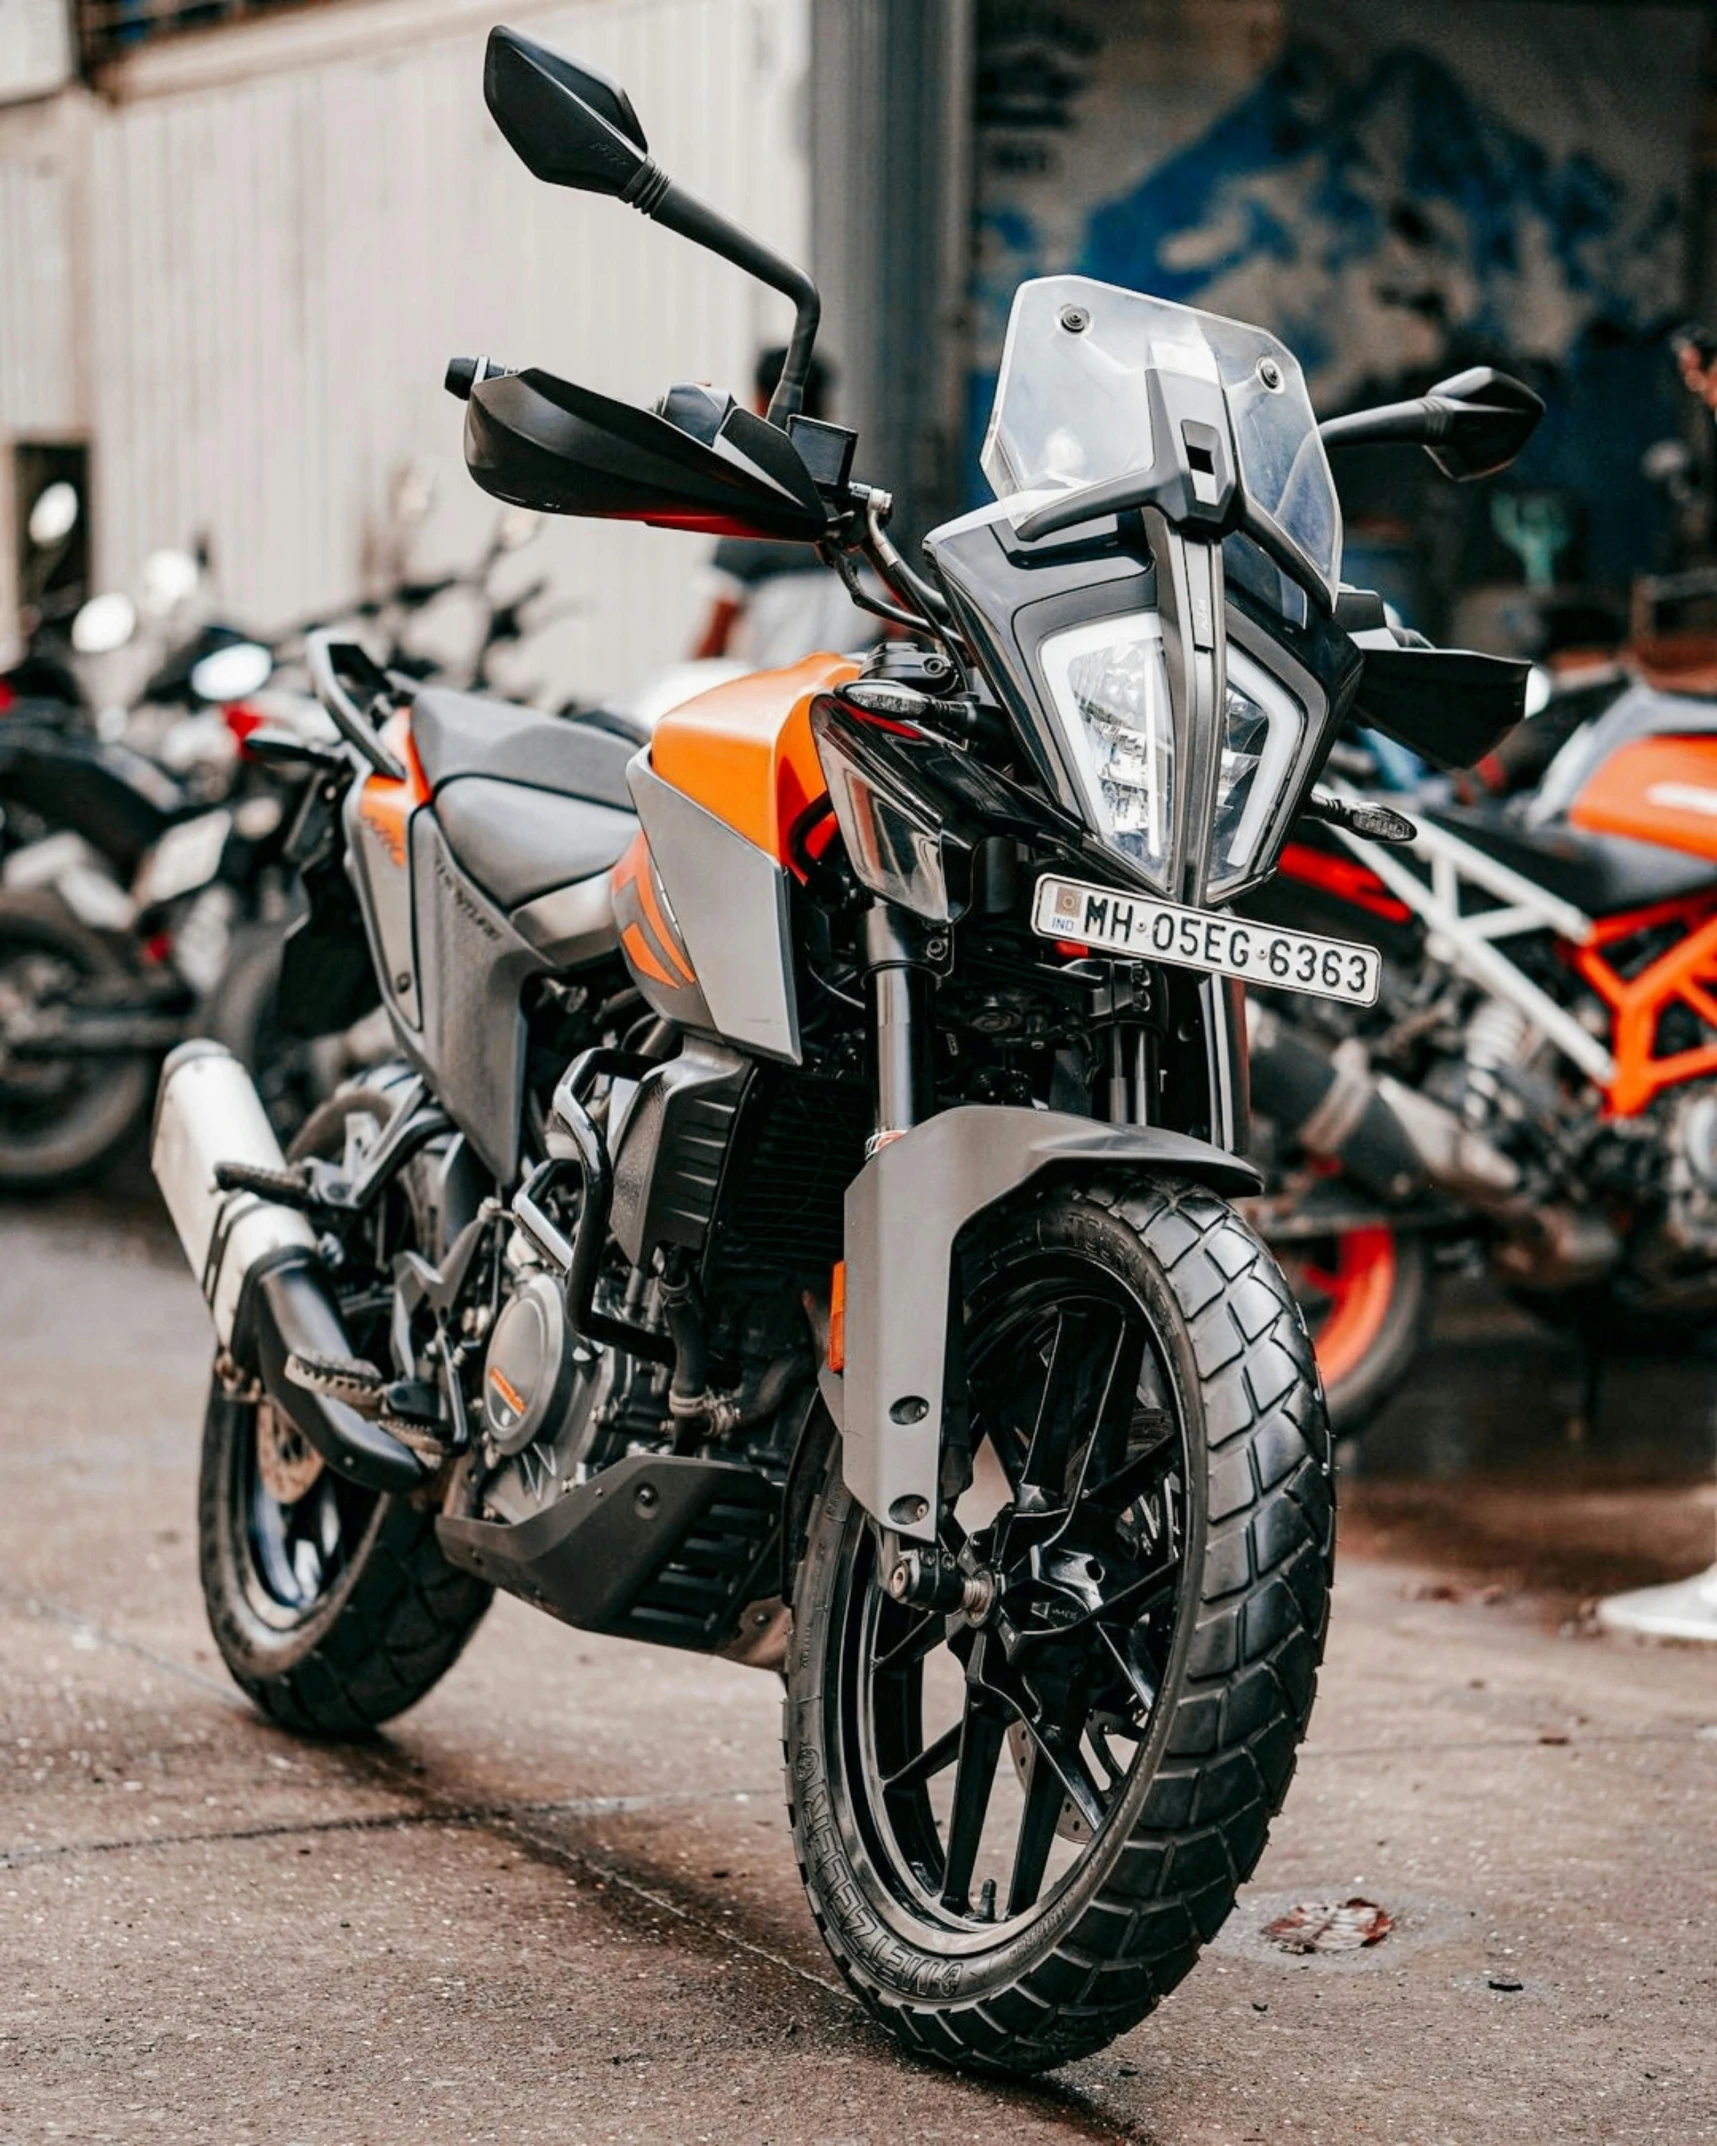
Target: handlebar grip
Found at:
x=463, y=374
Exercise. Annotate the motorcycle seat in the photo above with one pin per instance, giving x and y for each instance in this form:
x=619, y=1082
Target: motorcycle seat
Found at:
x=518, y=841
x=463, y=734
x=1601, y=874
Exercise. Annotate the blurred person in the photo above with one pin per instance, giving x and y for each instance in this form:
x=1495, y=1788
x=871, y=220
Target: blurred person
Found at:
x=771, y=603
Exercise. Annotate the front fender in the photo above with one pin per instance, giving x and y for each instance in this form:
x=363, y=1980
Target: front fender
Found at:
x=903, y=1212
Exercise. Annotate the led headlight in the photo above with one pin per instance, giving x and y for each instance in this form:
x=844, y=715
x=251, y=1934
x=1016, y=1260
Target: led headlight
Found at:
x=1109, y=682
x=1262, y=728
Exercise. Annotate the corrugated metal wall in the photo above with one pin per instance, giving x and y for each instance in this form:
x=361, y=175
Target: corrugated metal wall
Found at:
x=278, y=266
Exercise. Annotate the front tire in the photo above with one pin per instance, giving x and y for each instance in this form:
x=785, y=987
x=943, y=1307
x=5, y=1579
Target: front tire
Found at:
x=1118, y=1345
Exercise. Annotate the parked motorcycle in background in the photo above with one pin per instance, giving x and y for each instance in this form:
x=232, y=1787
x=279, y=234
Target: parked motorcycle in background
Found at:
x=1535, y=1091
x=795, y=1218
x=142, y=893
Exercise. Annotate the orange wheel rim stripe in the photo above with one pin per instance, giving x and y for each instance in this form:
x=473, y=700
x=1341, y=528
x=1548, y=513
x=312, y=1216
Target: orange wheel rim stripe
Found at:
x=1360, y=1290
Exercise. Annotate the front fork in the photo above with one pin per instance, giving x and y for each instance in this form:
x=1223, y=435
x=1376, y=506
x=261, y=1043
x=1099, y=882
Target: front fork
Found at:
x=902, y=957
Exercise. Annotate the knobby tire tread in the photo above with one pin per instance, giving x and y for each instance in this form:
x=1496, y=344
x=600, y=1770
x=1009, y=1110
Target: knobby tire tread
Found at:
x=403, y=1615
x=1245, y=1693
x=398, y=1632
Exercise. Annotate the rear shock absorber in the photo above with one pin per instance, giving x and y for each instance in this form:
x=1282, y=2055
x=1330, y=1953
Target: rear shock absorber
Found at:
x=1494, y=1037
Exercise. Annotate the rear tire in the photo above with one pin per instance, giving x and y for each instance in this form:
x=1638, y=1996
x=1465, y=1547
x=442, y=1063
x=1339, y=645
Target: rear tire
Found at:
x=1367, y=1296
x=1073, y=1960
x=387, y=1625
x=334, y=1608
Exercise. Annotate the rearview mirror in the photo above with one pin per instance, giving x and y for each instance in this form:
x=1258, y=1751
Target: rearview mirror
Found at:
x=568, y=125
x=1471, y=425
x=572, y=126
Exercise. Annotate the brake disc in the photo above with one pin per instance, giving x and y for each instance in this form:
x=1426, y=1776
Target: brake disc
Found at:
x=286, y=1460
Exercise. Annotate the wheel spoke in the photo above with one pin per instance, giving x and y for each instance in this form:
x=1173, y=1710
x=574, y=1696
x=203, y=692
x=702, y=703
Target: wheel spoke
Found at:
x=1073, y=1777
x=913, y=1645
x=1119, y=1490
x=1132, y=1601
x=936, y=1755
x=1067, y=1381
x=1145, y=1693
x=1119, y=1403
x=1044, y=1797
x=974, y=1776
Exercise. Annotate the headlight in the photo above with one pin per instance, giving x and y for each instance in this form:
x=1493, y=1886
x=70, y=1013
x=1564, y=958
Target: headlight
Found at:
x=1261, y=733
x=1110, y=685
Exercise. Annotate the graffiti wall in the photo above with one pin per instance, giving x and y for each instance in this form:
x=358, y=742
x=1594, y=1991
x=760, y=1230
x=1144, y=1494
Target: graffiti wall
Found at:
x=1396, y=189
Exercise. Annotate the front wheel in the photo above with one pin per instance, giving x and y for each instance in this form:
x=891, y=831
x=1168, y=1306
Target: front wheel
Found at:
x=1017, y=1823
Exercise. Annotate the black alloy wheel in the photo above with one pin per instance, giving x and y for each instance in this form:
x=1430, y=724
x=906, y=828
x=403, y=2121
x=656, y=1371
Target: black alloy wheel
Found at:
x=332, y=1605
x=1077, y=1581
x=1019, y=1818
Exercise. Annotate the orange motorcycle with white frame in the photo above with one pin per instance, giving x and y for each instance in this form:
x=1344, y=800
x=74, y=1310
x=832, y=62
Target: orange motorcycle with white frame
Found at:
x=795, y=1221
x=1537, y=1084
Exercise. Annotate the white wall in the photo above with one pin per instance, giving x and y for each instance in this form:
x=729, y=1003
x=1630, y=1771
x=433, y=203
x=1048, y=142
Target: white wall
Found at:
x=244, y=278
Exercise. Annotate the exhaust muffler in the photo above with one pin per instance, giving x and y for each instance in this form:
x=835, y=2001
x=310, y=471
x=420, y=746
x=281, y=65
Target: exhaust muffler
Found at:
x=257, y=1263
x=1329, y=1104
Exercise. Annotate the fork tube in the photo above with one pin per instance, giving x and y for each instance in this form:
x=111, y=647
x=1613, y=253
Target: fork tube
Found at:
x=899, y=984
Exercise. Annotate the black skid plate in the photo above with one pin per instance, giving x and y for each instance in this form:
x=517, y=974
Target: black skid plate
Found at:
x=658, y=1547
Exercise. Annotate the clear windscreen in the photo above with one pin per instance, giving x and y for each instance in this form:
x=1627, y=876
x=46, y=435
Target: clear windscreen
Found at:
x=1072, y=406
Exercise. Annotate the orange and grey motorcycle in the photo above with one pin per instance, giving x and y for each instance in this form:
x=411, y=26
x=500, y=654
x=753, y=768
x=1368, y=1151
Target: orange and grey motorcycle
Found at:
x=794, y=1221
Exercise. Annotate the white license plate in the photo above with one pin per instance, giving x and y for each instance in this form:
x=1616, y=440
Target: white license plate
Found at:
x=1150, y=930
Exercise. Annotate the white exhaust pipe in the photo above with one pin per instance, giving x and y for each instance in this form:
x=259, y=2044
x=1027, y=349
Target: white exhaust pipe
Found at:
x=264, y=1280
x=208, y=1112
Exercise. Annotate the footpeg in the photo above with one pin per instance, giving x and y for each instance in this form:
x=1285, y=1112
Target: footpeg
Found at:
x=351, y=1379
x=288, y=1187
x=411, y=1409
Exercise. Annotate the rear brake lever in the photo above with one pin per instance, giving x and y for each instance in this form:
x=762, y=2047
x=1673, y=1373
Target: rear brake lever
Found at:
x=1375, y=823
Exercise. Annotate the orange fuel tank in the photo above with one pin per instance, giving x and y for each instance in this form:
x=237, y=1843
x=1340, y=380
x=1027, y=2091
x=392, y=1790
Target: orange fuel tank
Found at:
x=1660, y=789
x=744, y=750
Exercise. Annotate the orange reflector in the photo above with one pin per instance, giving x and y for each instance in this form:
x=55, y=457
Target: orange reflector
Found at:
x=838, y=1317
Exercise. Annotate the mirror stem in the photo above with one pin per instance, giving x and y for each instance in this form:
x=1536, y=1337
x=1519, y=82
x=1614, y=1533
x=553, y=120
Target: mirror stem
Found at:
x=655, y=195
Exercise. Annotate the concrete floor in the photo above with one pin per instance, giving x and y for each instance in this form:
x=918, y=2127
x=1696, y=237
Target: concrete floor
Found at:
x=558, y=1903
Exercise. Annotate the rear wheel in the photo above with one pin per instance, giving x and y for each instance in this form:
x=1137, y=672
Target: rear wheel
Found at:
x=1017, y=1823
x=1366, y=1295
x=332, y=1606
x=61, y=1118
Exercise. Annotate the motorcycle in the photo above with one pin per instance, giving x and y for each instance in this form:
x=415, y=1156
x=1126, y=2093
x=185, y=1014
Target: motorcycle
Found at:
x=1533, y=1093
x=795, y=1220
x=141, y=894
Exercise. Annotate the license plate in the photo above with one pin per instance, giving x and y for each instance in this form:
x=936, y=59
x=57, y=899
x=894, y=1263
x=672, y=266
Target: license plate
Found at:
x=1261, y=954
